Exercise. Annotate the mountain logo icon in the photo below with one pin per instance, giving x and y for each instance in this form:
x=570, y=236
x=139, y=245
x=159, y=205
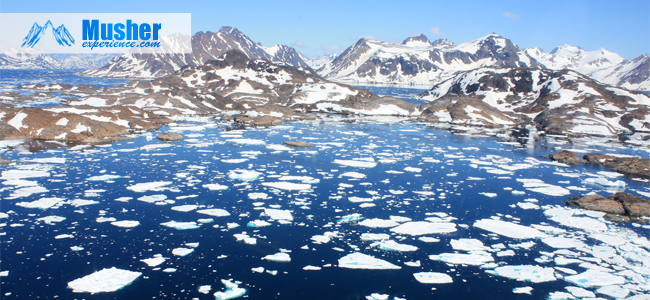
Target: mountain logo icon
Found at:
x=61, y=35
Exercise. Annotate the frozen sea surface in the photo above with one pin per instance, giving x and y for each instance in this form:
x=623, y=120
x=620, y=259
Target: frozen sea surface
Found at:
x=392, y=210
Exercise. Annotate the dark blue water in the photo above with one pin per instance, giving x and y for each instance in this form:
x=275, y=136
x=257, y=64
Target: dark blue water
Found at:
x=109, y=246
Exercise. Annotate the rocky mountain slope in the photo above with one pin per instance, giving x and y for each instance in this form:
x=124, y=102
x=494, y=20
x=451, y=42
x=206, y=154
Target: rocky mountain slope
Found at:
x=254, y=90
x=205, y=46
x=419, y=61
x=557, y=102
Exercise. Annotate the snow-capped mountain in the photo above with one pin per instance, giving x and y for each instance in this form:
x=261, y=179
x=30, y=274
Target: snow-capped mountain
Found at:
x=320, y=61
x=27, y=58
x=602, y=65
x=205, y=46
x=61, y=35
x=631, y=74
x=576, y=58
x=557, y=102
x=419, y=61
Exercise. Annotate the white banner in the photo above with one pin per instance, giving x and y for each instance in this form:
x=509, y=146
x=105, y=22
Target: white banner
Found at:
x=97, y=33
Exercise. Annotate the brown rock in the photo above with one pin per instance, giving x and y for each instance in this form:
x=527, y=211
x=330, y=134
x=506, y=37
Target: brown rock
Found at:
x=598, y=203
x=634, y=206
x=4, y=161
x=625, y=165
x=259, y=121
x=621, y=207
x=566, y=157
x=170, y=137
x=298, y=144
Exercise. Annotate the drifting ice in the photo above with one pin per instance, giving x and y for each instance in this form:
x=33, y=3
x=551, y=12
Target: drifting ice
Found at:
x=363, y=261
x=106, y=280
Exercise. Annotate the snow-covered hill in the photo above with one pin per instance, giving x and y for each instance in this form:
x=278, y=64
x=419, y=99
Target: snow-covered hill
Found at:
x=419, y=61
x=27, y=58
x=205, y=46
x=558, y=102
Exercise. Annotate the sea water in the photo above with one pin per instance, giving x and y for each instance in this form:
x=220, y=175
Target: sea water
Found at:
x=287, y=223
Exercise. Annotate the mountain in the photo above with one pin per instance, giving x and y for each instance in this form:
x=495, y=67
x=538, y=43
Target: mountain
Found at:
x=245, y=90
x=27, y=58
x=602, y=65
x=61, y=35
x=418, y=61
x=205, y=46
x=634, y=74
x=557, y=102
x=320, y=61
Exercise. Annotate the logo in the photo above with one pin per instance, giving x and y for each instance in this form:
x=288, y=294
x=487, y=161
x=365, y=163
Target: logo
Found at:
x=95, y=33
x=61, y=35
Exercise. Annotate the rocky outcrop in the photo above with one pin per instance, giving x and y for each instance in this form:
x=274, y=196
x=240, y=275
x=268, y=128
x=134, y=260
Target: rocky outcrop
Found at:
x=4, y=161
x=298, y=144
x=170, y=137
x=625, y=165
x=566, y=157
x=619, y=206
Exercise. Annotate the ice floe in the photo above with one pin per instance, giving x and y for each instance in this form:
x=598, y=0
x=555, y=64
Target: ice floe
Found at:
x=105, y=280
x=422, y=228
x=182, y=251
x=474, y=258
x=232, y=291
x=508, y=229
x=592, y=278
x=432, y=277
x=359, y=260
x=530, y=273
x=126, y=223
x=278, y=257
x=181, y=225
x=149, y=186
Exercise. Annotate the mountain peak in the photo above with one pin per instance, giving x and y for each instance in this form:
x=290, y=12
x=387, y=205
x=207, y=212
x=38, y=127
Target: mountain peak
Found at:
x=566, y=50
x=229, y=30
x=420, y=39
x=443, y=42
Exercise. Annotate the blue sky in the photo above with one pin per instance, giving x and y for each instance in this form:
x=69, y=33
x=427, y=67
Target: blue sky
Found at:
x=323, y=27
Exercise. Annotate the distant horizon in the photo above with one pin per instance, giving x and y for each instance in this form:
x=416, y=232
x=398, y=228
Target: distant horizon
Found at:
x=317, y=29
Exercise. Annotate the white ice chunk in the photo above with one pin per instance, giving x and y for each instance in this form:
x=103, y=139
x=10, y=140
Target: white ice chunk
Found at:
x=215, y=212
x=278, y=214
x=422, y=228
x=530, y=273
x=432, y=277
x=374, y=236
x=278, y=257
x=474, y=258
x=232, y=291
x=356, y=163
x=378, y=223
x=181, y=225
x=149, y=186
x=614, y=291
x=215, y=187
x=245, y=175
x=43, y=203
x=155, y=261
x=363, y=261
x=508, y=229
x=563, y=242
x=390, y=245
x=105, y=280
x=125, y=223
x=592, y=278
x=182, y=251
x=468, y=245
